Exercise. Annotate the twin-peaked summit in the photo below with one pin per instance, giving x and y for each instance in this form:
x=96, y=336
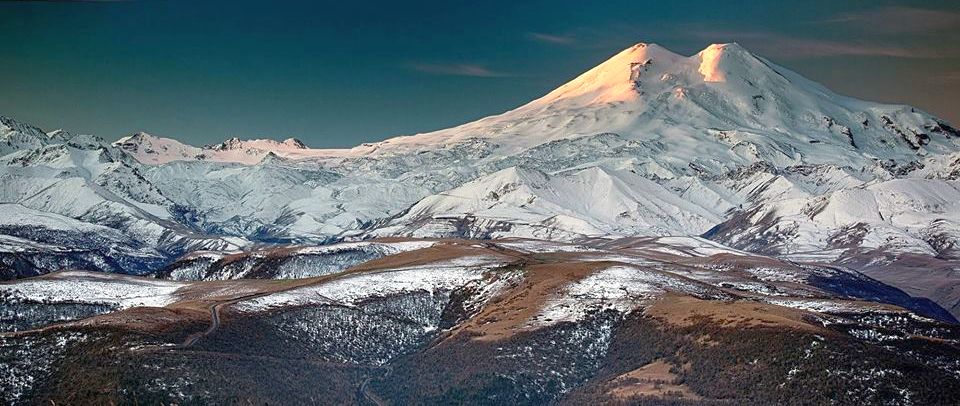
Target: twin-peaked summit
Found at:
x=621, y=78
x=721, y=104
x=720, y=108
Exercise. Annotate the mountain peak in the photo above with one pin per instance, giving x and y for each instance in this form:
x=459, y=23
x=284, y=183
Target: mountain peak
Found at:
x=615, y=79
x=148, y=148
x=742, y=105
x=15, y=135
x=270, y=158
x=235, y=143
x=646, y=73
x=135, y=139
x=229, y=144
x=646, y=68
x=724, y=47
x=295, y=143
x=719, y=60
x=10, y=126
x=154, y=150
x=59, y=134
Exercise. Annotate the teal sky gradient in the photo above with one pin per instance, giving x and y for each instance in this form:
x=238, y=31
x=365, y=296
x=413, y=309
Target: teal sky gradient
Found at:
x=336, y=74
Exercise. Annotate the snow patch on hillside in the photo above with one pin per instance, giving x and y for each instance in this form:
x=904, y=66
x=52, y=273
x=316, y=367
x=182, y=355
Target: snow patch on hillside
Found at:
x=351, y=289
x=93, y=288
x=619, y=288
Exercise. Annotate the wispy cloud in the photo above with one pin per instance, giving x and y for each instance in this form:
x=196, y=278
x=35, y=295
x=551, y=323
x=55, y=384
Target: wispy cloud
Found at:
x=787, y=46
x=458, y=69
x=948, y=78
x=900, y=20
x=551, y=38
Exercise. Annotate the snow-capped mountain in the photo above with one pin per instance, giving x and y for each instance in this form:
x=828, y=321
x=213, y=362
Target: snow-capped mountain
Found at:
x=722, y=143
x=915, y=215
x=74, y=201
x=685, y=123
x=154, y=150
x=718, y=109
x=708, y=209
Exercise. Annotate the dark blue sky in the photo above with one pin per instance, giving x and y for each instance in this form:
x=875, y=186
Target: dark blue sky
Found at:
x=341, y=73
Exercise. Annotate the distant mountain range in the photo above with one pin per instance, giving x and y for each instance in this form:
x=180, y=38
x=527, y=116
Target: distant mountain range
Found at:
x=723, y=144
x=662, y=229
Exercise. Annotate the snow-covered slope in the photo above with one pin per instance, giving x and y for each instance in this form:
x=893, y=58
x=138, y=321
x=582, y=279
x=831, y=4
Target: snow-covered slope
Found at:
x=34, y=242
x=280, y=201
x=15, y=135
x=900, y=215
x=90, y=202
x=154, y=150
x=287, y=262
x=92, y=288
x=646, y=143
x=516, y=201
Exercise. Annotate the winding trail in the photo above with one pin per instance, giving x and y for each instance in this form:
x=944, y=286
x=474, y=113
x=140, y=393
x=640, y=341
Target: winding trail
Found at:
x=368, y=394
x=215, y=319
x=214, y=325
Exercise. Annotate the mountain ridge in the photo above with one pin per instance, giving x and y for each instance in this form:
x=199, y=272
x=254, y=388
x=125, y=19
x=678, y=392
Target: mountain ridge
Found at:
x=721, y=143
x=654, y=78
